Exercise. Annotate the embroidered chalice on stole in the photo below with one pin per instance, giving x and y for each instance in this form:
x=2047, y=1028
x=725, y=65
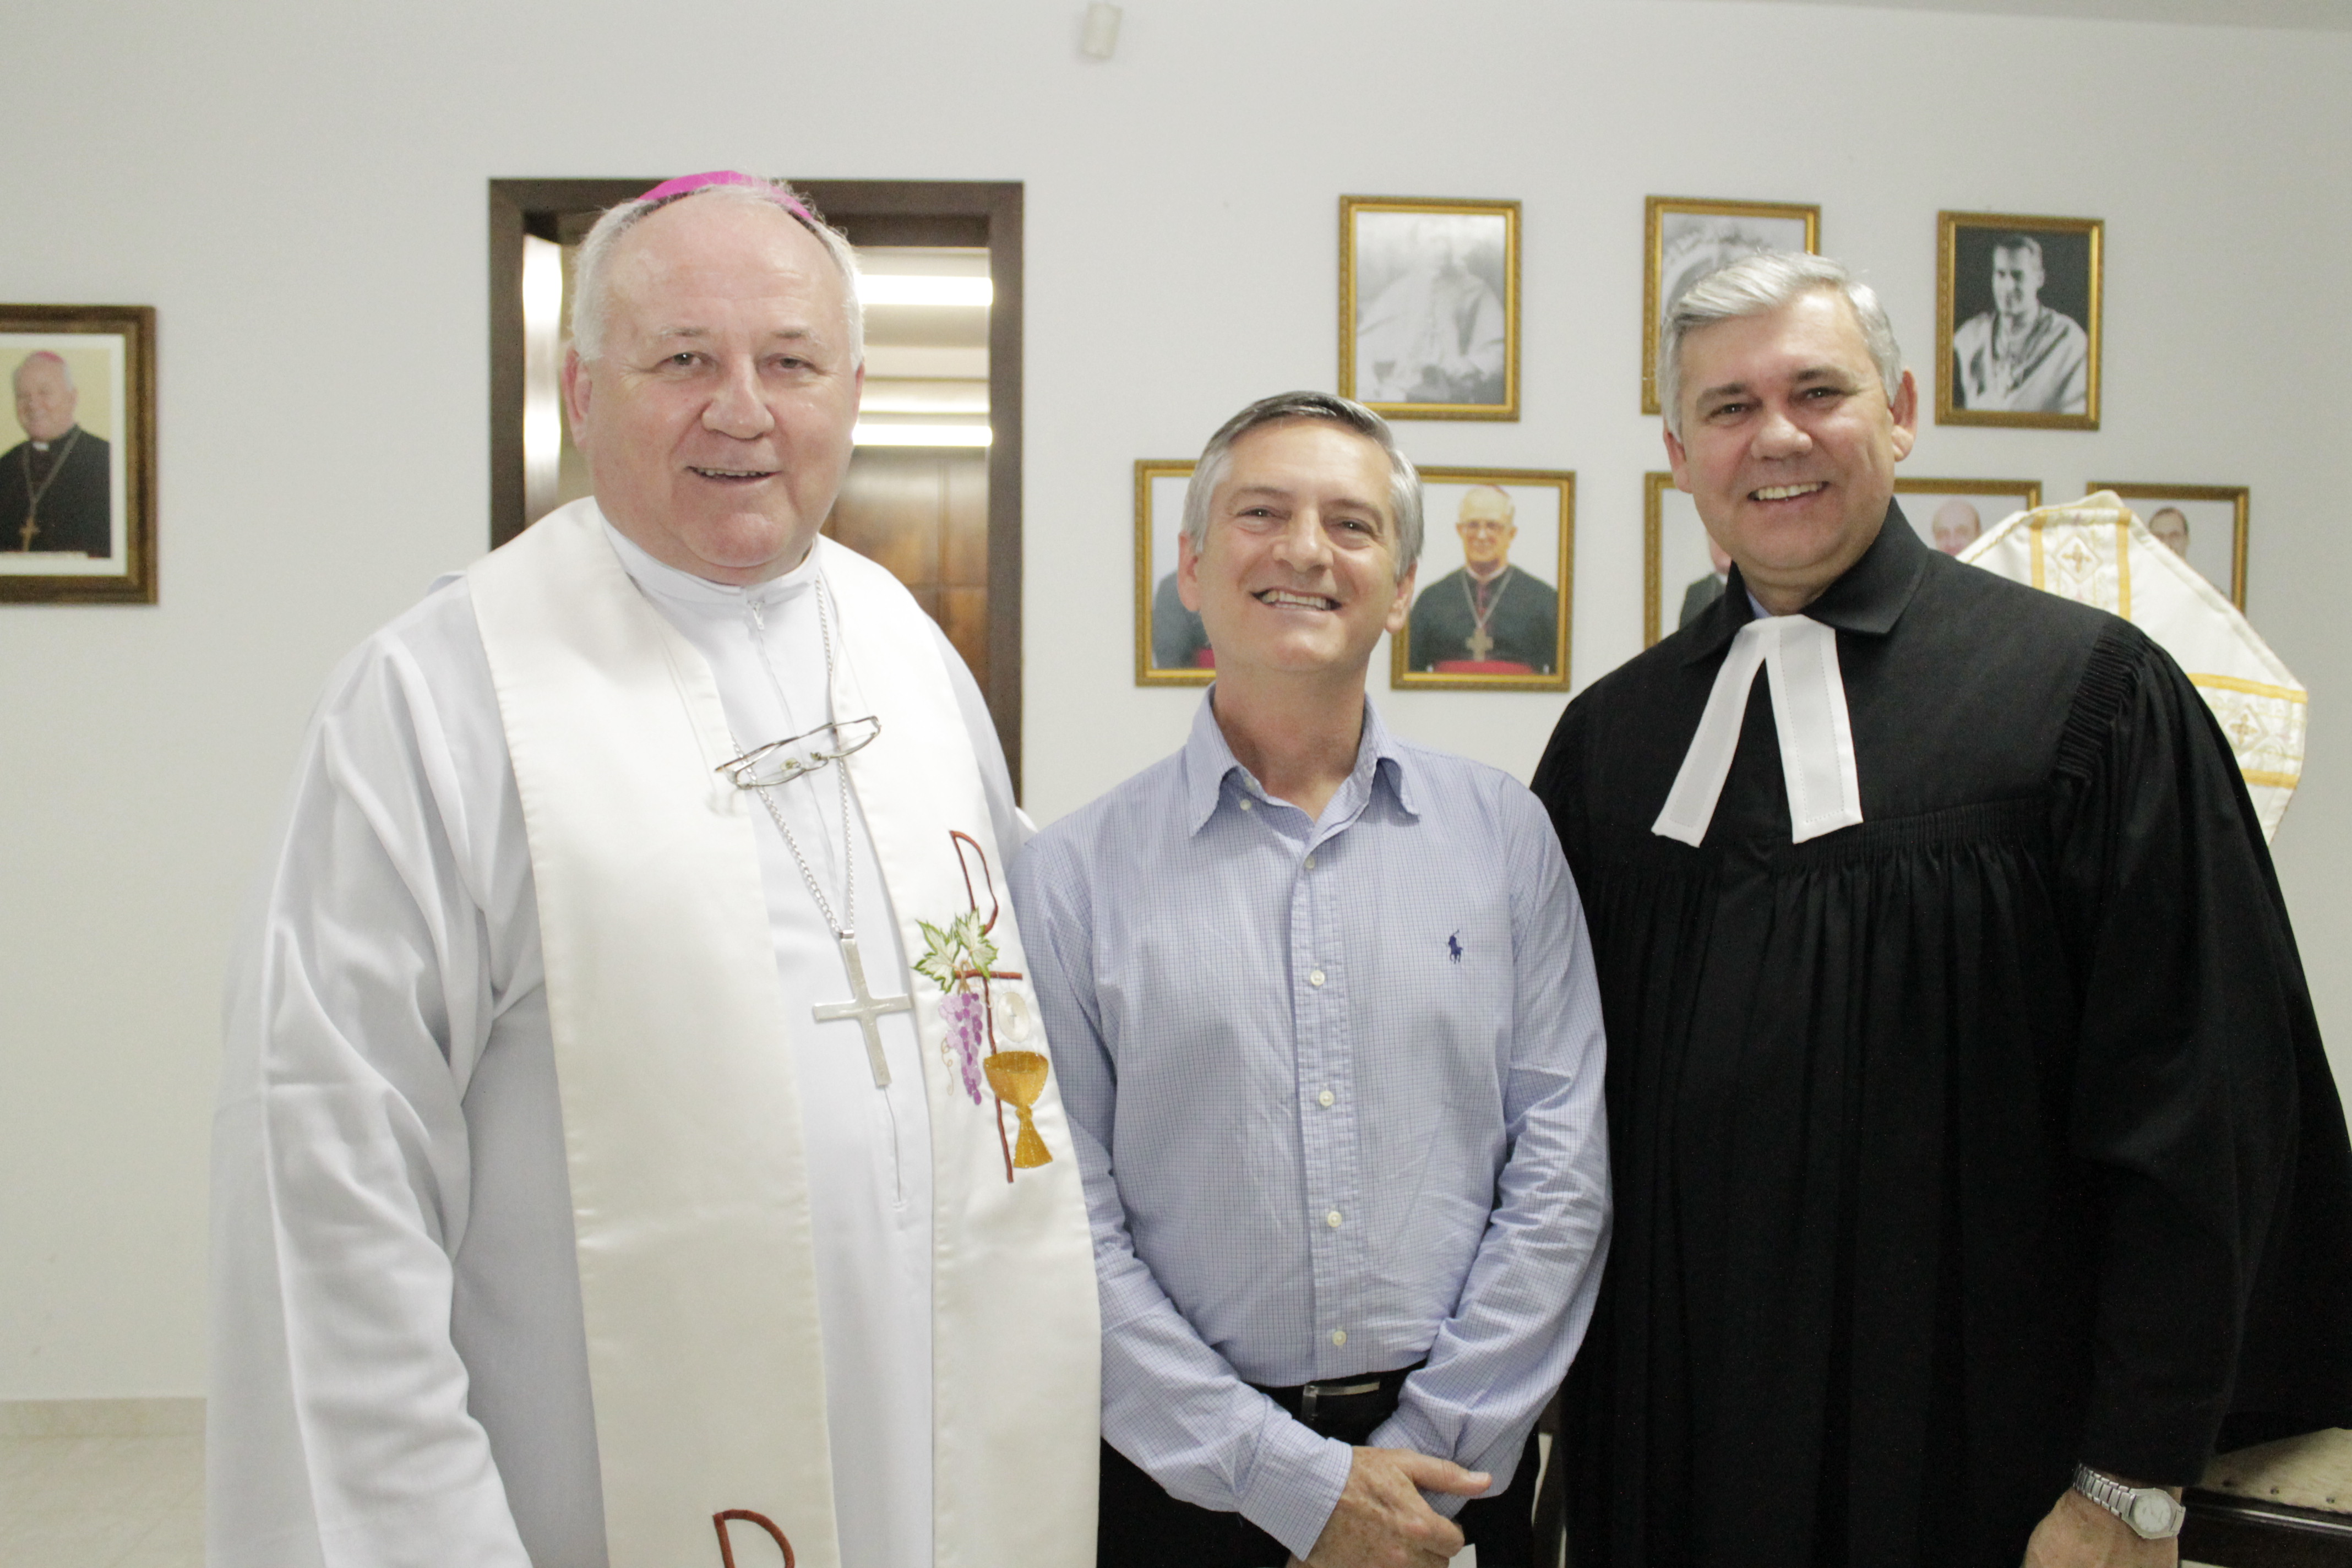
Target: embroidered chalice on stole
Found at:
x=1019, y=1078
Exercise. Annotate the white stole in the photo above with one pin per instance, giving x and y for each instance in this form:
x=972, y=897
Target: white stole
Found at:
x=682, y=1118
x=1799, y=657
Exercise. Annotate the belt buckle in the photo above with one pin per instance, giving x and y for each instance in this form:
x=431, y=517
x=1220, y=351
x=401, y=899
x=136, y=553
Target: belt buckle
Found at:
x=1311, y=1396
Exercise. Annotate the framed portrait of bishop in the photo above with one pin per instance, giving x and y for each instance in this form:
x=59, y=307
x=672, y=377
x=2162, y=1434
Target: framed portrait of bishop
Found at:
x=2017, y=320
x=1429, y=307
x=1498, y=560
x=78, y=455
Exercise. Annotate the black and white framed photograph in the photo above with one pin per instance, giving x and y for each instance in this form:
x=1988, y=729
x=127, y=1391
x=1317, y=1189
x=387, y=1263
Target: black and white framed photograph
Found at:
x=1683, y=568
x=1498, y=563
x=1951, y=515
x=1429, y=307
x=78, y=455
x=2016, y=320
x=1171, y=648
x=1684, y=238
x=2204, y=524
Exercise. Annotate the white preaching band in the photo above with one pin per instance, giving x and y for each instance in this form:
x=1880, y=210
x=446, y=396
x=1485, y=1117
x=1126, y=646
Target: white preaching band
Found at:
x=632, y=1116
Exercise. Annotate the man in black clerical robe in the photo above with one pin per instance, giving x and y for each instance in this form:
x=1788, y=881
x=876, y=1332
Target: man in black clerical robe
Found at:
x=54, y=484
x=1985, y=1137
x=1487, y=610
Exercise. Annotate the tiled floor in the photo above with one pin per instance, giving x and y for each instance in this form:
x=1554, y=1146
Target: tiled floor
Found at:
x=102, y=1502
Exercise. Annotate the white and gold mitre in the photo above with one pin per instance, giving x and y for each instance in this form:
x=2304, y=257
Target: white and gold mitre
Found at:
x=2096, y=550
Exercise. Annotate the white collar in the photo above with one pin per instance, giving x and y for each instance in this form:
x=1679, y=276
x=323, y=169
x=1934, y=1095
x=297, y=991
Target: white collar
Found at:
x=1809, y=711
x=685, y=589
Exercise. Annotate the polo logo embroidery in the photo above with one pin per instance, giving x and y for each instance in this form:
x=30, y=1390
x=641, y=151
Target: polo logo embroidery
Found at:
x=957, y=958
x=1453, y=947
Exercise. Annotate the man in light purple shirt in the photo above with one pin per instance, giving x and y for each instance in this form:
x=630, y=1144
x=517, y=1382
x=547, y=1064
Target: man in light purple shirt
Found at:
x=1323, y=1011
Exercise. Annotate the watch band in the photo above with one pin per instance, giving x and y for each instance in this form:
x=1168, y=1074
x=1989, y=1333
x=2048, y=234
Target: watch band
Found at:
x=2151, y=1513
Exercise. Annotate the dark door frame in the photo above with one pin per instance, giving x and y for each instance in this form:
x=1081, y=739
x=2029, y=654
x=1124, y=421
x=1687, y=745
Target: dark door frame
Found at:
x=870, y=212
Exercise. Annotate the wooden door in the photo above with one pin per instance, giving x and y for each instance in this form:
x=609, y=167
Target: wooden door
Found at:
x=922, y=512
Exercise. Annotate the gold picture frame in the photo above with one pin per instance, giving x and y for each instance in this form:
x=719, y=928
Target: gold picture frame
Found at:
x=1941, y=529
x=1686, y=237
x=1404, y=262
x=2058, y=262
x=78, y=502
x=1456, y=506
x=1163, y=627
x=2202, y=507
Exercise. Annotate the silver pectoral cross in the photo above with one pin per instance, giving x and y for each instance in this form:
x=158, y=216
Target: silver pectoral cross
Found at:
x=866, y=1008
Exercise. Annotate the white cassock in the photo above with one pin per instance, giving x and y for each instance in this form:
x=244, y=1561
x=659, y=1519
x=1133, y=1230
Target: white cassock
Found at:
x=409, y=1194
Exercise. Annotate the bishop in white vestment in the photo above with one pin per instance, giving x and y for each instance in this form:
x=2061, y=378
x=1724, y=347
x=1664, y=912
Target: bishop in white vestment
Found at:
x=615, y=1134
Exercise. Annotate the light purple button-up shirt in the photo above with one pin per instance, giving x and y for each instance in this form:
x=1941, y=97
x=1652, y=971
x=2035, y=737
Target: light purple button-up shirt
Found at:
x=1336, y=1089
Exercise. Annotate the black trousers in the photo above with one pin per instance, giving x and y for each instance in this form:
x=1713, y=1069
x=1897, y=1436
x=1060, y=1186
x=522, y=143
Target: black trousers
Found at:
x=1143, y=1527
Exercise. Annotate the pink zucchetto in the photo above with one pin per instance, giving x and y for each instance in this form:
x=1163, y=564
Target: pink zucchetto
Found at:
x=687, y=183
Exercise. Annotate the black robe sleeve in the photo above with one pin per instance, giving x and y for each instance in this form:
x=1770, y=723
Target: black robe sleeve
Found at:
x=2201, y=1110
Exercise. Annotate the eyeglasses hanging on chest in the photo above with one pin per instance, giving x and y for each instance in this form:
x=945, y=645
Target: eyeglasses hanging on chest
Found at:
x=780, y=762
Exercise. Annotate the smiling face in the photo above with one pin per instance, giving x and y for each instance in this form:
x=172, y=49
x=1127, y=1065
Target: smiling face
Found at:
x=1297, y=574
x=1486, y=531
x=1789, y=446
x=717, y=424
x=2016, y=281
x=45, y=399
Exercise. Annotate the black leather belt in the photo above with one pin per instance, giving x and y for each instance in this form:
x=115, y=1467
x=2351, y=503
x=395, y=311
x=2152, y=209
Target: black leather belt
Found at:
x=1344, y=1406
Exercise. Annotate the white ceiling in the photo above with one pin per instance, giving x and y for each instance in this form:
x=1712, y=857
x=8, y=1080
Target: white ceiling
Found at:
x=2335, y=16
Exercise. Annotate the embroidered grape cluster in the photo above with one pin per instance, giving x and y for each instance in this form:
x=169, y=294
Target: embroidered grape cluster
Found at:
x=965, y=1018
x=955, y=956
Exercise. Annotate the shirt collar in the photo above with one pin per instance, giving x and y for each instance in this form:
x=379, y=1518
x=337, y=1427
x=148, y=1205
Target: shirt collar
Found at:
x=670, y=585
x=1208, y=762
x=1868, y=600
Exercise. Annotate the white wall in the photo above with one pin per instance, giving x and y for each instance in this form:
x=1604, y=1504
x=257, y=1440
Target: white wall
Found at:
x=300, y=190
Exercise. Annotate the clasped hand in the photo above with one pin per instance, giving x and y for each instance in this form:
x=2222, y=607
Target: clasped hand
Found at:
x=1381, y=1520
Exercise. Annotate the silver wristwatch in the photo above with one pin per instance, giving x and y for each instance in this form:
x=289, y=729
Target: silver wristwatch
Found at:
x=2153, y=1514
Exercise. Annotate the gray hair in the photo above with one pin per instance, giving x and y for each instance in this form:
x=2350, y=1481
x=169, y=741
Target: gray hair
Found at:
x=1216, y=459
x=1754, y=286
x=592, y=286
x=16, y=376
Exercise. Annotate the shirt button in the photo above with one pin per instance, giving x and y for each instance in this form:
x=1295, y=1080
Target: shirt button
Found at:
x=1338, y=1336
x=1313, y=977
x=1245, y=803
x=1326, y=1100
x=1332, y=1219
x=1311, y=862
